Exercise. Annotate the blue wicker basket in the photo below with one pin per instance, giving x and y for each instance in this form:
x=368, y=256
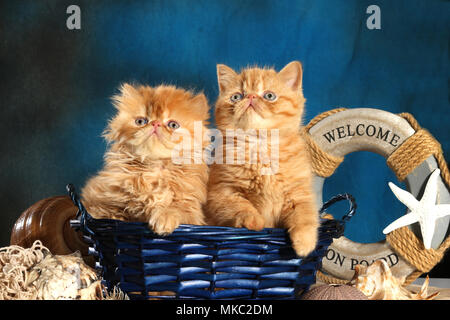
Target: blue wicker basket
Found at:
x=203, y=262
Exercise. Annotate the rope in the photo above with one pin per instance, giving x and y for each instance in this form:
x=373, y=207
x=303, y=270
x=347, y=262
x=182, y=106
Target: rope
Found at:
x=21, y=271
x=406, y=244
x=328, y=279
x=15, y=265
x=421, y=146
x=415, y=150
x=323, y=163
x=322, y=116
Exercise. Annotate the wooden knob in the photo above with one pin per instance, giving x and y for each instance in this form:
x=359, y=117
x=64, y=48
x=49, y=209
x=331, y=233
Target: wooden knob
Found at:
x=48, y=220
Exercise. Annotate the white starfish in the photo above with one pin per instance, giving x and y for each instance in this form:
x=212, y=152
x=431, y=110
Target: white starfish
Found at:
x=425, y=211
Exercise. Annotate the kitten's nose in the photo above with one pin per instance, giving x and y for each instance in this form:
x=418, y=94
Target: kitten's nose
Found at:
x=155, y=123
x=250, y=97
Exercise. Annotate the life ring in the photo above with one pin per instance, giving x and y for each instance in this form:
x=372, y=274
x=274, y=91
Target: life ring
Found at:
x=412, y=153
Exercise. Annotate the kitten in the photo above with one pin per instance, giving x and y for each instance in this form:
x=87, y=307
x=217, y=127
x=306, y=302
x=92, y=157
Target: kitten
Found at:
x=239, y=195
x=139, y=181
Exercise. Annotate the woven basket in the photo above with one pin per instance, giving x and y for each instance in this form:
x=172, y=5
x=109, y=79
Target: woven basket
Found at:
x=203, y=262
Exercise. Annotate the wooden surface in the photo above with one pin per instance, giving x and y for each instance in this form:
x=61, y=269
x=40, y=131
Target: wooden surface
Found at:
x=441, y=285
x=444, y=293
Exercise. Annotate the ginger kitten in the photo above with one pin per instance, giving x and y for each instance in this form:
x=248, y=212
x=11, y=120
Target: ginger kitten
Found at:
x=239, y=195
x=139, y=180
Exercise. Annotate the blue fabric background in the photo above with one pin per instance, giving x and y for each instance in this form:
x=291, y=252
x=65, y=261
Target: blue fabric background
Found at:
x=56, y=83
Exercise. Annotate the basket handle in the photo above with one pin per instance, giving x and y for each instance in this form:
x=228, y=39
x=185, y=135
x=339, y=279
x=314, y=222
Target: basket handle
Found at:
x=338, y=226
x=80, y=219
x=340, y=197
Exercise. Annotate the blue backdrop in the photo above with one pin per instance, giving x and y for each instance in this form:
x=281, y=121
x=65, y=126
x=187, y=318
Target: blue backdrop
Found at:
x=56, y=83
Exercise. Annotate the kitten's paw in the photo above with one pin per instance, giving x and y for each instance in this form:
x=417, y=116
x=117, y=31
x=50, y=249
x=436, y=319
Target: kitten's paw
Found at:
x=164, y=224
x=250, y=221
x=304, y=240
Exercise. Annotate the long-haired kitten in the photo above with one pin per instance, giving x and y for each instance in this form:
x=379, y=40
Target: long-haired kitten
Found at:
x=240, y=194
x=140, y=181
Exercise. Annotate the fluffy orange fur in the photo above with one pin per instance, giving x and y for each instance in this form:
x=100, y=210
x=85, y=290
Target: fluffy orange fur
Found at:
x=238, y=194
x=139, y=180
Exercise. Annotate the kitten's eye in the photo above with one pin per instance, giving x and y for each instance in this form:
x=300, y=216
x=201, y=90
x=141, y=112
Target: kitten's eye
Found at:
x=269, y=95
x=236, y=97
x=141, y=121
x=173, y=125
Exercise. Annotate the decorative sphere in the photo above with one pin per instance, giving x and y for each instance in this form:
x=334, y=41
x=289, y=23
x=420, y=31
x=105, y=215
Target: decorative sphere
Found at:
x=334, y=292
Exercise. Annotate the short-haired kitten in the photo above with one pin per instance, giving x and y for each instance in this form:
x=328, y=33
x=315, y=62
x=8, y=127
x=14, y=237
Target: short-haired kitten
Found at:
x=239, y=195
x=139, y=181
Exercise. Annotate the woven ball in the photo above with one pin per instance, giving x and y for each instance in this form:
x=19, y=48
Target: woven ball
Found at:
x=334, y=292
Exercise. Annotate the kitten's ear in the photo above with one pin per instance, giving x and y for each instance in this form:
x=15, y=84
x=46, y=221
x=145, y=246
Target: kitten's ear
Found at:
x=292, y=75
x=127, y=92
x=201, y=103
x=225, y=76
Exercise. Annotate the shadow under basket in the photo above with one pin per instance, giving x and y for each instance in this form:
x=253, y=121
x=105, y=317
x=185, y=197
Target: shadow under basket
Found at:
x=204, y=262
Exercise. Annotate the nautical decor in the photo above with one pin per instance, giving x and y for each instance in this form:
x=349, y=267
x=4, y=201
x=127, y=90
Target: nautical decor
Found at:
x=425, y=211
x=413, y=154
